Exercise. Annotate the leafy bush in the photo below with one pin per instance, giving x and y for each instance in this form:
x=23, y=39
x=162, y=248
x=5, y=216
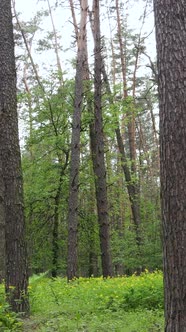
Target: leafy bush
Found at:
x=9, y=321
x=138, y=292
x=145, y=292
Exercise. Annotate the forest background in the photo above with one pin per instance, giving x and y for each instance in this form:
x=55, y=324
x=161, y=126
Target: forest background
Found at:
x=46, y=92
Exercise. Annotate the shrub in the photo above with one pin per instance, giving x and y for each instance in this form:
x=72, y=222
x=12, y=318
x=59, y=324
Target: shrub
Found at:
x=140, y=292
x=9, y=321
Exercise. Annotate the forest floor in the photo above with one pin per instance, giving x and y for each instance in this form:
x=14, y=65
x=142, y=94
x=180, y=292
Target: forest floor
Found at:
x=122, y=304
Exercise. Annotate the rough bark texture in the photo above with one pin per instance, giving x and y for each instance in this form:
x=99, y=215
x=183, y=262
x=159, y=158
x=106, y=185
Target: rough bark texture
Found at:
x=16, y=278
x=170, y=21
x=2, y=227
x=75, y=148
x=97, y=148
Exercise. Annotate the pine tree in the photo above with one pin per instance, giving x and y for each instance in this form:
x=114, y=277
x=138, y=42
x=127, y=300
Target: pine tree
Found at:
x=16, y=276
x=171, y=50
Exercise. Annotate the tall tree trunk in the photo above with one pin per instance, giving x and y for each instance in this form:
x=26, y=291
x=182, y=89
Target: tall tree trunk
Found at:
x=131, y=188
x=55, y=231
x=104, y=243
x=133, y=185
x=171, y=51
x=2, y=227
x=92, y=237
x=97, y=148
x=16, y=277
x=75, y=148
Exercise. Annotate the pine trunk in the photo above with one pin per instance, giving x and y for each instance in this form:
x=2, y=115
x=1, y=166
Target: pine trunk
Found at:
x=2, y=227
x=97, y=148
x=171, y=50
x=75, y=148
x=16, y=277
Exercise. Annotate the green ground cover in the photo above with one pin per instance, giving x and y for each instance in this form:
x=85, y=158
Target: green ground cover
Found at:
x=122, y=304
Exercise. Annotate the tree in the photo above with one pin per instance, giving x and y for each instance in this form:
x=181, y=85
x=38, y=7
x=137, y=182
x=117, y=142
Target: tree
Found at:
x=97, y=149
x=171, y=50
x=16, y=277
x=131, y=175
x=47, y=108
x=75, y=147
x=2, y=227
x=47, y=105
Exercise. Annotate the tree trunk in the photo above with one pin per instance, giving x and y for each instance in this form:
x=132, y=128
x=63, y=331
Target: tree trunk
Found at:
x=2, y=227
x=75, y=148
x=171, y=50
x=56, y=46
x=16, y=277
x=55, y=231
x=97, y=148
x=133, y=184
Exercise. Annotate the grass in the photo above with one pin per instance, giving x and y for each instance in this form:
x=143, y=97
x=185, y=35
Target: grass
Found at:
x=123, y=304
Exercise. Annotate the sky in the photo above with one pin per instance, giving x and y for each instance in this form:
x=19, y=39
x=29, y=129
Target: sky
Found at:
x=28, y=8
x=64, y=26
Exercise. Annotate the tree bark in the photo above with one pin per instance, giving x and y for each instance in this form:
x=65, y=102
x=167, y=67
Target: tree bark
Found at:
x=75, y=148
x=2, y=227
x=97, y=149
x=16, y=276
x=171, y=51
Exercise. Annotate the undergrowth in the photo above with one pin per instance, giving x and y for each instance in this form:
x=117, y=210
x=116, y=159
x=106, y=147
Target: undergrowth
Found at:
x=122, y=304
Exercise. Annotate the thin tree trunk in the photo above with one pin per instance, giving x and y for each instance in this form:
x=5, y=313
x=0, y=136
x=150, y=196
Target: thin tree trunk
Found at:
x=55, y=231
x=171, y=51
x=29, y=99
x=74, y=18
x=56, y=47
x=122, y=52
x=92, y=256
x=93, y=252
x=2, y=227
x=75, y=148
x=127, y=173
x=130, y=114
x=97, y=149
x=16, y=276
x=133, y=185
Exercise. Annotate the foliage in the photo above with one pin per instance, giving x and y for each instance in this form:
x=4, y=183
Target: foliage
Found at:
x=122, y=304
x=46, y=107
x=45, y=168
x=9, y=321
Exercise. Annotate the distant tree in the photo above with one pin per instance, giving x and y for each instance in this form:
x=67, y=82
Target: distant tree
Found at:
x=53, y=119
x=56, y=45
x=47, y=107
x=131, y=175
x=171, y=50
x=16, y=277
